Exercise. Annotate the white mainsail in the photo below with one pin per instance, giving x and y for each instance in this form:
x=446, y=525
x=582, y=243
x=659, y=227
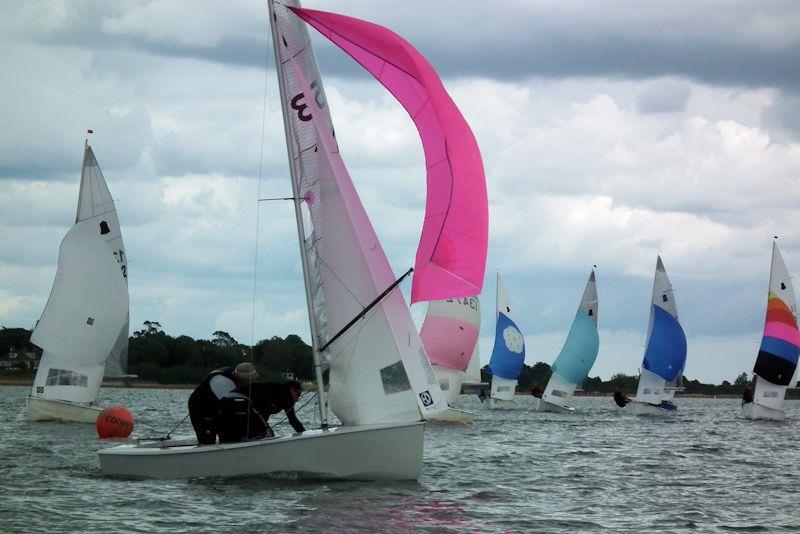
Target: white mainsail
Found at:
x=95, y=203
x=88, y=306
x=379, y=371
x=450, y=334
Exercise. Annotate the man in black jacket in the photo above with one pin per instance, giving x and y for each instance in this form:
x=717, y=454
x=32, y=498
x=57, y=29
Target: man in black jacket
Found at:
x=244, y=413
x=204, y=400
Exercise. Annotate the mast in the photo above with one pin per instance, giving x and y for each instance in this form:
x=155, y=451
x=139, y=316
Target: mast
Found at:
x=299, y=218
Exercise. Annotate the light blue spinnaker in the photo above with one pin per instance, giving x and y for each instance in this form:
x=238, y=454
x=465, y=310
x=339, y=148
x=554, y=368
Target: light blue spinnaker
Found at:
x=577, y=356
x=580, y=350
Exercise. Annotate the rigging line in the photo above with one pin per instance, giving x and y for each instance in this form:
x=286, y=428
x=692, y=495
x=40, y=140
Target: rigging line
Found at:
x=258, y=210
x=367, y=309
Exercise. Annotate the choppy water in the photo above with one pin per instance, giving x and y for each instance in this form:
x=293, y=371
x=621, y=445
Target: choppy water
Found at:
x=706, y=469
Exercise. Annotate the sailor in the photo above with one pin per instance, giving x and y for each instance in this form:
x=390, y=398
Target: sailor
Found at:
x=535, y=391
x=244, y=413
x=747, y=395
x=620, y=399
x=204, y=400
x=482, y=395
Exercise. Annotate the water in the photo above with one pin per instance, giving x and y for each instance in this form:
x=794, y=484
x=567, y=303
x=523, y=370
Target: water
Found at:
x=705, y=470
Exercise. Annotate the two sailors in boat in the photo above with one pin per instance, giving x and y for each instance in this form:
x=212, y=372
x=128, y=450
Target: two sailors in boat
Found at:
x=244, y=413
x=230, y=404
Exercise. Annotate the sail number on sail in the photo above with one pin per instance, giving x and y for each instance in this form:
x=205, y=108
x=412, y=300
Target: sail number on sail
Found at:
x=471, y=303
x=119, y=255
x=298, y=105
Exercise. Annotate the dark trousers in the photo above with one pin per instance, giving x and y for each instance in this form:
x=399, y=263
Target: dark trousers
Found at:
x=205, y=425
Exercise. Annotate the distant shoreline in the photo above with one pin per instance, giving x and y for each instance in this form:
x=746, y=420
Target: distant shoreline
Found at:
x=135, y=384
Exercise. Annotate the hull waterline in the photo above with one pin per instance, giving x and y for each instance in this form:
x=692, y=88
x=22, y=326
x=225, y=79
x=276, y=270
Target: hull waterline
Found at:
x=370, y=452
x=453, y=415
x=541, y=405
x=39, y=409
x=755, y=411
x=645, y=408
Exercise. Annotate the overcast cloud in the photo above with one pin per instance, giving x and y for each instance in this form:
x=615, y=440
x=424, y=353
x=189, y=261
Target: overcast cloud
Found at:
x=610, y=132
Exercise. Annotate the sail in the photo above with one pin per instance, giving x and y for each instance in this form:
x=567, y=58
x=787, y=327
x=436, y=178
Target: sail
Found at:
x=473, y=374
x=451, y=257
x=88, y=306
x=95, y=203
x=579, y=353
x=508, y=354
x=379, y=371
x=780, y=345
x=665, y=352
x=449, y=335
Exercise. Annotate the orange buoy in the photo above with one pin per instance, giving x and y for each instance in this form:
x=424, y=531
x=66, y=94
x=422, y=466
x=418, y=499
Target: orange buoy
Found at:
x=114, y=422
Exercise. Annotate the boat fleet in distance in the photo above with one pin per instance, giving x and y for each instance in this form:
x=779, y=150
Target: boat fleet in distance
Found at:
x=662, y=365
x=385, y=378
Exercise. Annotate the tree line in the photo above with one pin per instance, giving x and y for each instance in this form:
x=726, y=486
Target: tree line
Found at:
x=155, y=356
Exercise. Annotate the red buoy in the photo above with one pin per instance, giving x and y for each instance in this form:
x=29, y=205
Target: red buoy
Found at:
x=114, y=422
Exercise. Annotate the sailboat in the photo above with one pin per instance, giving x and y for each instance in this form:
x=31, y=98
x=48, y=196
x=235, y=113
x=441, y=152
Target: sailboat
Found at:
x=381, y=384
x=665, y=352
x=508, y=354
x=776, y=364
x=83, y=331
x=576, y=357
x=450, y=336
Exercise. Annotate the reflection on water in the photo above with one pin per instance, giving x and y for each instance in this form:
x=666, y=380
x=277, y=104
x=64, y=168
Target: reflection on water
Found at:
x=705, y=469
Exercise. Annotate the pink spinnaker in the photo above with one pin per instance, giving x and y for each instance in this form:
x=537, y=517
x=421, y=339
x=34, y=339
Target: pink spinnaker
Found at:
x=451, y=256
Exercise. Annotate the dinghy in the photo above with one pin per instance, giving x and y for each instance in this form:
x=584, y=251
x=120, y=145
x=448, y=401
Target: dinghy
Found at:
x=576, y=357
x=450, y=336
x=665, y=352
x=83, y=331
x=776, y=364
x=381, y=383
x=508, y=354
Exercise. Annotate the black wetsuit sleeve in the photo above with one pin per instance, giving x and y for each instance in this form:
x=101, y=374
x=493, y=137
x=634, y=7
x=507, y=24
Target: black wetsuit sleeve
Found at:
x=294, y=421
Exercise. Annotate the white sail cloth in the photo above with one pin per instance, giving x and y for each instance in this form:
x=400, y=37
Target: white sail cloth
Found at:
x=88, y=306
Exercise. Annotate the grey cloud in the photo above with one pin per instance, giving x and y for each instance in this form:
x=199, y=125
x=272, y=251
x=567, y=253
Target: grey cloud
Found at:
x=573, y=39
x=664, y=98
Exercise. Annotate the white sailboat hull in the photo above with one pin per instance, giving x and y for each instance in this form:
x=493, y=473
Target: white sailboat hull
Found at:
x=753, y=410
x=39, y=409
x=370, y=452
x=502, y=404
x=541, y=405
x=453, y=415
x=645, y=408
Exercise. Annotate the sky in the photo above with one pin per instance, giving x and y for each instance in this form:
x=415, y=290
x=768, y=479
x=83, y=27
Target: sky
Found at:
x=610, y=132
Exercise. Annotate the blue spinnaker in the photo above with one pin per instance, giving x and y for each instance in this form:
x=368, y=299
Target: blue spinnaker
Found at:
x=508, y=355
x=666, y=351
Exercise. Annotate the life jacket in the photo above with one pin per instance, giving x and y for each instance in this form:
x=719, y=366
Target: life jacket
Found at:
x=202, y=400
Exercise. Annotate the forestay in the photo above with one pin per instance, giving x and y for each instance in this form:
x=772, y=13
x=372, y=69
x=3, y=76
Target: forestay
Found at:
x=96, y=204
x=88, y=306
x=451, y=257
x=665, y=352
x=579, y=352
x=450, y=335
x=776, y=364
x=378, y=369
x=508, y=354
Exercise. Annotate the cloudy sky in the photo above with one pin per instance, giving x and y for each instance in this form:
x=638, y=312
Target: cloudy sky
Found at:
x=610, y=132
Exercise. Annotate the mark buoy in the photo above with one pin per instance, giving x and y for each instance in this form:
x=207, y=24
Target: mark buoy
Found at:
x=114, y=422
